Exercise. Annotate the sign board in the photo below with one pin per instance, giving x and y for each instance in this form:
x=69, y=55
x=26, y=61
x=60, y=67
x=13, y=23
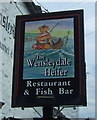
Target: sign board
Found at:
x=49, y=63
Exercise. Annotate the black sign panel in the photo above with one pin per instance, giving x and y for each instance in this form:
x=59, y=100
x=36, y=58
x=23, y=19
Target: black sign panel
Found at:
x=49, y=63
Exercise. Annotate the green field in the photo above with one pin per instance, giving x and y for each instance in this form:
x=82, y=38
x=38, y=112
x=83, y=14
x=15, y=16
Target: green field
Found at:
x=31, y=35
x=62, y=33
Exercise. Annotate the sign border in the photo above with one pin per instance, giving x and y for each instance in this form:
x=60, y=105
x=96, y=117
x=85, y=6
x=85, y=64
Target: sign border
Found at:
x=80, y=73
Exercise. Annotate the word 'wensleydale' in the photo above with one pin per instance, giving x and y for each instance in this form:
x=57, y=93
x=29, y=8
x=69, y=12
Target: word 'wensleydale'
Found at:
x=47, y=63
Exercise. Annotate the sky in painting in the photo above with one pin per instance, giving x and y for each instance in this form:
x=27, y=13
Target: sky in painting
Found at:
x=61, y=23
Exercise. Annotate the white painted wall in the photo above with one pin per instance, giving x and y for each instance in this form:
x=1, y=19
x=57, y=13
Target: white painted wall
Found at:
x=6, y=66
x=10, y=10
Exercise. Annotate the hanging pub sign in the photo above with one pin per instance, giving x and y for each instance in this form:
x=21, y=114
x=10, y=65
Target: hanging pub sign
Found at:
x=49, y=63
